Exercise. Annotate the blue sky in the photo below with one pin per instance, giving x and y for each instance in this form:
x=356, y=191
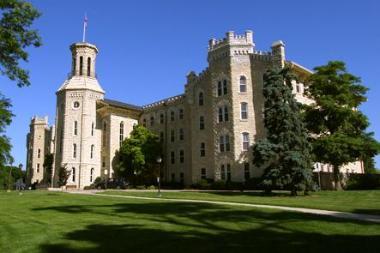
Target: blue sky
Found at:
x=148, y=47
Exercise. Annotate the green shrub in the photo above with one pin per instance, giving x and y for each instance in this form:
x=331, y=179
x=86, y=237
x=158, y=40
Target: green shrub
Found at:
x=151, y=187
x=363, y=182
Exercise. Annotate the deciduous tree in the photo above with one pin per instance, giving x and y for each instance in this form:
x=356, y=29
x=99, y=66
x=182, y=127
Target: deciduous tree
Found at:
x=337, y=125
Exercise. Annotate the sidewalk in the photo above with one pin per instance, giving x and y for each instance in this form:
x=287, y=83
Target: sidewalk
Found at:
x=335, y=214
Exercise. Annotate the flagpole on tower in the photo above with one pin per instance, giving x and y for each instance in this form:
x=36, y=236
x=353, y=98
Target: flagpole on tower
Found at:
x=84, y=27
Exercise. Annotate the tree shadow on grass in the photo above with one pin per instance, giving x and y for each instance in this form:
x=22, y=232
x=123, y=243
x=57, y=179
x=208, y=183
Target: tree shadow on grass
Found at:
x=190, y=227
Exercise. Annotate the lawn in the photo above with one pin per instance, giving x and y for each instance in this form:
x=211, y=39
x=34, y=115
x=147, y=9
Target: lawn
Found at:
x=367, y=202
x=50, y=222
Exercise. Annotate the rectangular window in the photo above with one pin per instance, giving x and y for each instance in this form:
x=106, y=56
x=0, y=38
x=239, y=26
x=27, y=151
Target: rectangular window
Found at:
x=245, y=141
x=161, y=136
x=39, y=153
x=172, y=115
x=244, y=110
x=182, y=177
x=224, y=87
x=173, y=177
x=180, y=113
x=75, y=127
x=219, y=88
x=172, y=157
x=228, y=172
x=172, y=135
x=74, y=150
x=161, y=118
x=220, y=114
x=203, y=149
x=73, y=174
x=222, y=172
x=92, y=129
x=38, y=168
x=181, y=134
x=203, y=173
x=225, y=113
x=103, y=161
x=246, y=171
x=181, y=156
x=227, y=141
x=151, y=121
x=221, y=143
x=201, y=123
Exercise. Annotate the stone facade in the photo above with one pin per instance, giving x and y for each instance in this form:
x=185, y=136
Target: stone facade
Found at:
x=40, y=142
x=207, y=131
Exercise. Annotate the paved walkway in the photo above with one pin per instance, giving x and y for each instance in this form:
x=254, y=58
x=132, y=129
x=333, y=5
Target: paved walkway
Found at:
x=335, y=214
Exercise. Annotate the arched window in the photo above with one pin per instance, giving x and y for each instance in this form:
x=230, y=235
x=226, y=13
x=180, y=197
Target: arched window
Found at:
x=73, y=174
x=200, y=98
x=121, y=137
x=244, y=110
x=74, y=150
x=88, y=66
x=75, y=127
x=104, y=133
x=91, y=174
x=144, y=122
x=81, y=65
x=92, y=151
x=243, y=84
x=201, y=123
x=92, y=128
x=245, y=137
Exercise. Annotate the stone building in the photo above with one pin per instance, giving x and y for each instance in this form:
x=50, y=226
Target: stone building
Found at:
x=207, y=131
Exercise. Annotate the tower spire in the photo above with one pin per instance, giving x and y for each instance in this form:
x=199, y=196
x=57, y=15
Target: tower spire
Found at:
x=84, y=27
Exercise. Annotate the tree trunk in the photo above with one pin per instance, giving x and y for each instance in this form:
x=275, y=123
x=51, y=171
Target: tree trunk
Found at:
x=337, y=179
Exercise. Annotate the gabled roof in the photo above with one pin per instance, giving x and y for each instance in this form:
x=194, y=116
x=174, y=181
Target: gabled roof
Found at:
x=123, y=105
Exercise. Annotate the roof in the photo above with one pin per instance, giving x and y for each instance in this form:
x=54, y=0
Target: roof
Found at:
x=121, y=104
x=81, y=83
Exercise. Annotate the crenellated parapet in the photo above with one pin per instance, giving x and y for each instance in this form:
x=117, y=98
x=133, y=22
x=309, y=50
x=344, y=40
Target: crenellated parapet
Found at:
x=232, y=39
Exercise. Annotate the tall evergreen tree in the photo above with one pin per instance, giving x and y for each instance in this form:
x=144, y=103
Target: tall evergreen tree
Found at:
x=335, y=121
x=285, y=152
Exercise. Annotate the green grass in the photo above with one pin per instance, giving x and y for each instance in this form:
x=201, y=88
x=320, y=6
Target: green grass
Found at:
x=50, y=222
x=366, y=202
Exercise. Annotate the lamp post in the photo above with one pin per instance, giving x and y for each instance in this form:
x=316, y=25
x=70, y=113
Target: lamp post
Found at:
x=159, y=161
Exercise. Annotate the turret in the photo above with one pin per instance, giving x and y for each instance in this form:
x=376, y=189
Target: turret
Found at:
x=83, y=58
